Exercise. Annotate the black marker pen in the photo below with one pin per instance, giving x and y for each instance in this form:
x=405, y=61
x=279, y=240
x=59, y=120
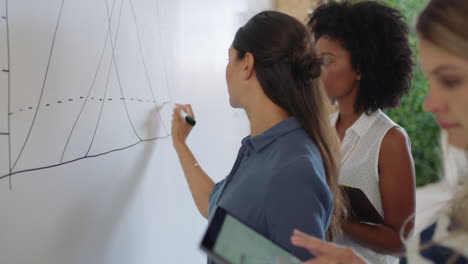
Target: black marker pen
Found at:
x=187, y=117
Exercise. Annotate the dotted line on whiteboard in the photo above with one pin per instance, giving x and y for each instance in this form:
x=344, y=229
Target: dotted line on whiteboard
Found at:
x=82, y=98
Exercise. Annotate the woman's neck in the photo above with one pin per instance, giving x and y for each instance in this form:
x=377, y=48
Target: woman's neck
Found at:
x=347, y=112
x=264, y=115
x=347, y=116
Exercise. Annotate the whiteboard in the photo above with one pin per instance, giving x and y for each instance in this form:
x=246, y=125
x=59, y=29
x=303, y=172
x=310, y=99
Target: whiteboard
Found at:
x=87, y=169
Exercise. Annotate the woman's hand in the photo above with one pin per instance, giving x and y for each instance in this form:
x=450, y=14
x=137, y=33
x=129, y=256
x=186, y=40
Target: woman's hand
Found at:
x=180, y=128
x=324, y=252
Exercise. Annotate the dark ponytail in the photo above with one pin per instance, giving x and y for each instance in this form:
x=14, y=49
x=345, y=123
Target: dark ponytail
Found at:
x=288, y=71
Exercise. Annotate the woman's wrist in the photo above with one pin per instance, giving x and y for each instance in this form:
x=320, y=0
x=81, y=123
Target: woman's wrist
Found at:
x=178, y=145
x=347, y=225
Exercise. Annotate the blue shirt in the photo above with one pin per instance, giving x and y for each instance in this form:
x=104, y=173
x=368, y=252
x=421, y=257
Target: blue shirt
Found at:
x=277, y=184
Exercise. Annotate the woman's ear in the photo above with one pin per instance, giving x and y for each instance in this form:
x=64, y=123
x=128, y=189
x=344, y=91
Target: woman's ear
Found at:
x=358, y=75
x=248, y=65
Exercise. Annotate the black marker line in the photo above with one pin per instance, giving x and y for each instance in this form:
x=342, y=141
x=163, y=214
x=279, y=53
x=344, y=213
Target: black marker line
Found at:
x=72, y=100
x=10, y=169
x=43, y=85
x=82, y=158
x=91, y=87
x=118, y=75
x=108, y=77
x=150, y=87
x=100, y=111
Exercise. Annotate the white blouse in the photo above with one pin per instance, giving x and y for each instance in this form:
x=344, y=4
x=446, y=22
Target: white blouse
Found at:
x=359, y=153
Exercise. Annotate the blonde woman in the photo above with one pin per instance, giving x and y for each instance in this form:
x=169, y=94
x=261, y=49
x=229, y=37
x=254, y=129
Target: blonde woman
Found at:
x=443, y=47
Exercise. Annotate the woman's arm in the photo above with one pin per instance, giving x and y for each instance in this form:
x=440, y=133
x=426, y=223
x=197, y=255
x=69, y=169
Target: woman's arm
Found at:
x=397, y=190
x=199, y=182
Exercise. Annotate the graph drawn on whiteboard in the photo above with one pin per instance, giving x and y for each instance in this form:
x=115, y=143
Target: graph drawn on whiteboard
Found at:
x=79, y=79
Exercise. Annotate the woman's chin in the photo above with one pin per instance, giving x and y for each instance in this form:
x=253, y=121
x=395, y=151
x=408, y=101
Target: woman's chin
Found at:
x=458, y=140
x=234, y=104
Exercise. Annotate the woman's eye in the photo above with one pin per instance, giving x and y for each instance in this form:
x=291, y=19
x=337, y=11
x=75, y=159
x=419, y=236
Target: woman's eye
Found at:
x=451, y=82
x=326, y=61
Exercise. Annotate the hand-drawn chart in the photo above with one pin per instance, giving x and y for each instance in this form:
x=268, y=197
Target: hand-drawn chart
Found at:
x=78, y=86
x=82, y=78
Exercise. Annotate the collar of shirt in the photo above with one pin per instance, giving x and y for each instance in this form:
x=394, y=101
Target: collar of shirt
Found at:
x=362, y=125
x=257, y=143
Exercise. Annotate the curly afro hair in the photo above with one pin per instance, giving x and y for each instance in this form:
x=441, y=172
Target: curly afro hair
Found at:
x=376, y=37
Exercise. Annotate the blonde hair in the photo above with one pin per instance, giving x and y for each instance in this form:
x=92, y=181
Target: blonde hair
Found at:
x=444, y=23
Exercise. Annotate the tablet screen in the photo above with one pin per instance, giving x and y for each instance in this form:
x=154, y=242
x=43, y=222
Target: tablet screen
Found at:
x=236, y=243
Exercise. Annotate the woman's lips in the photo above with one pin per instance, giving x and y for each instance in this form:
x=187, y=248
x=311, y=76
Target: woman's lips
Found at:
x=446, y=126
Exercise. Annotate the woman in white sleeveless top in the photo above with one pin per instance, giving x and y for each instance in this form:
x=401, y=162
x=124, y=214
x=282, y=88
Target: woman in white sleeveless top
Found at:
x=367, y=67
x=443, y=48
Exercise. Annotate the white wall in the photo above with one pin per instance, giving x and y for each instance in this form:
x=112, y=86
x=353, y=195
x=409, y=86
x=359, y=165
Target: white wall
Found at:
x=132, y=205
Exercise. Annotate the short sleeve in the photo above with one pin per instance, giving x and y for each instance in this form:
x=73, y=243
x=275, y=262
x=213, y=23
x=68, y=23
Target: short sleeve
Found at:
x=214, y=197
x=216, y=189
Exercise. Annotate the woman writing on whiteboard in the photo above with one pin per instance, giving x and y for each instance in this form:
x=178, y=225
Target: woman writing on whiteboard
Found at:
x=285, y=174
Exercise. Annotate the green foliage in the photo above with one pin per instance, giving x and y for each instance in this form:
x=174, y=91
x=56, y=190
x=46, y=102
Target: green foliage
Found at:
x=421, y=127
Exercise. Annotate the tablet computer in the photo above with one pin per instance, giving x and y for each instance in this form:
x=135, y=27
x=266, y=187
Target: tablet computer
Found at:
x=228, y=240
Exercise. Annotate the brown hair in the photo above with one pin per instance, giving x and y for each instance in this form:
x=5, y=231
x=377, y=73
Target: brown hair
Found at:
x=288, y=69
x=444, y=23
